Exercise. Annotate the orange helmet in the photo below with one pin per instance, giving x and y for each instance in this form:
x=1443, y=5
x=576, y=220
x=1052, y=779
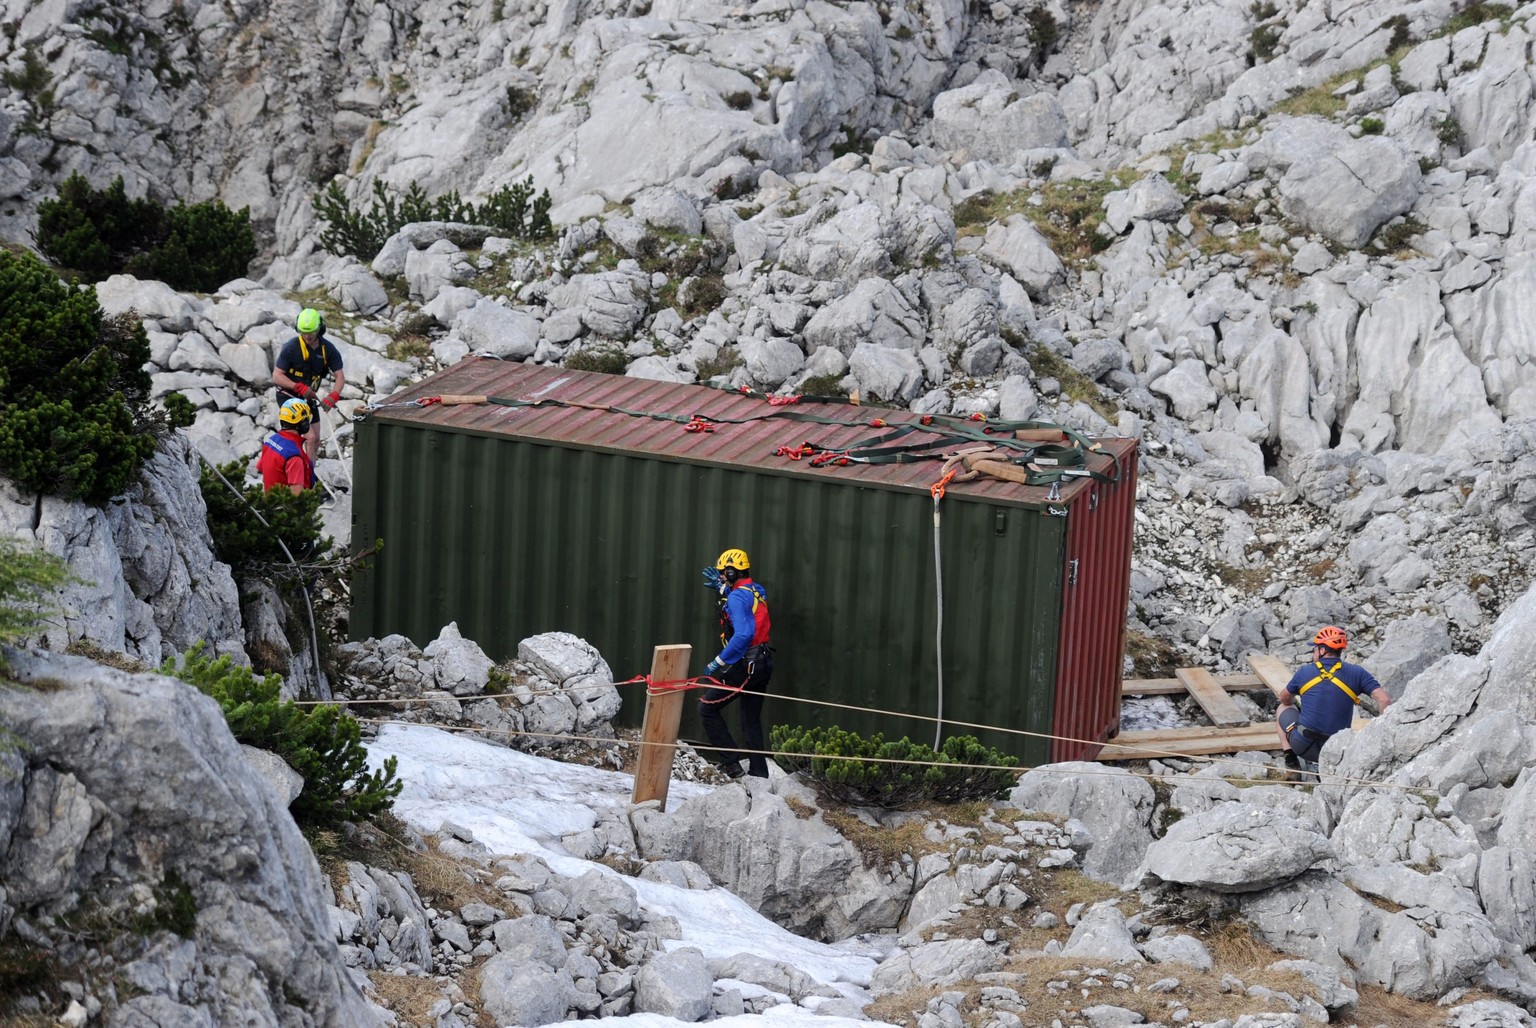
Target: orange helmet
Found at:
x=1332, y=637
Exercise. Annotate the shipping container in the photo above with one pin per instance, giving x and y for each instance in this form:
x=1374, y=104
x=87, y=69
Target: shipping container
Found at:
x=596, y=512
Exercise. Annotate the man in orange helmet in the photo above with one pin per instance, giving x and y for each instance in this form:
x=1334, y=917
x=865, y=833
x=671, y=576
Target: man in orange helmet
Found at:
x=1331, y=689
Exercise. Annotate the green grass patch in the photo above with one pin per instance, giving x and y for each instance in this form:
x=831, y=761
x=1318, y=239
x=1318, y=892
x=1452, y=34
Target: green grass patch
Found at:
x=1075, y=385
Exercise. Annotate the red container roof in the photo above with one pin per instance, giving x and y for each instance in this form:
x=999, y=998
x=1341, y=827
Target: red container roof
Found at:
x=589, y=420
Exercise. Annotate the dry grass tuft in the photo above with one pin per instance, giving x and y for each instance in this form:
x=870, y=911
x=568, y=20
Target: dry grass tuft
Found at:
x=408, y=997
x=446, y=882
x=111, y=658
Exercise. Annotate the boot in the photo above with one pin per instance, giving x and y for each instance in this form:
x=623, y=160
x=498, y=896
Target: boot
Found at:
x=731, y=769
x=1292, y=767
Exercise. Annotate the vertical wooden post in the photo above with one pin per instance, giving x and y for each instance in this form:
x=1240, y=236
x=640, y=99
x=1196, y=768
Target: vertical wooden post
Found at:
x=663, y=714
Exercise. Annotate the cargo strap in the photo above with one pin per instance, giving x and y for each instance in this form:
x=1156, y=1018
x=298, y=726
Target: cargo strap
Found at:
x=1035, y=453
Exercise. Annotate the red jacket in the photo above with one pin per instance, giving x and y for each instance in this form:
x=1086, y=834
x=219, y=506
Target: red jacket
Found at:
x=283, y=462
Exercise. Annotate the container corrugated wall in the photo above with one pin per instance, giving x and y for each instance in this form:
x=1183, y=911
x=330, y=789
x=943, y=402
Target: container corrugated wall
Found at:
x=1092, y=642
x=510, y=537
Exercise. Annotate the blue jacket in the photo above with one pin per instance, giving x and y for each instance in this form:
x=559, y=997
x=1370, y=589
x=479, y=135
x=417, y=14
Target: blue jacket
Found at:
x=746, y=619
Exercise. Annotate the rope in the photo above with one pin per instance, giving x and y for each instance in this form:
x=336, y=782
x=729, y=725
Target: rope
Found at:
x=937, y=491
x=659, y=687
x=346, y=465
x=950, y=765
x=309, y=609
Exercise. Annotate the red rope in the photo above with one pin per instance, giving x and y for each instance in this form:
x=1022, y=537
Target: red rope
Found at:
x=656, y=687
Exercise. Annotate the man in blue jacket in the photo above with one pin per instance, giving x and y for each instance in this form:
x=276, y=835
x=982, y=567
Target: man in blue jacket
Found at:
x=744, y=665
x=1319, y=700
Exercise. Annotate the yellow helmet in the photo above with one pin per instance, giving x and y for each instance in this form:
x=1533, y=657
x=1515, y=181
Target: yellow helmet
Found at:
x=293, y=412
x=734, y=559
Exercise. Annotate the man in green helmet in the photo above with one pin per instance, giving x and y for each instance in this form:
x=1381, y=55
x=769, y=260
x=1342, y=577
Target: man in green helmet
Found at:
x=302, y=365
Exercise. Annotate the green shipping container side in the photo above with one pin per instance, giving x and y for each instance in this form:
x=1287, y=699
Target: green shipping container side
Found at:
x=586, y=519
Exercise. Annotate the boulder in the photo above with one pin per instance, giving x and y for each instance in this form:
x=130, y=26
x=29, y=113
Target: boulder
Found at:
x=990, y=119
x=1339, y=187
x=1234, y=847
x=1114, y=806
x=677, y=984
x=497, y=329
x=1102, y=935
x=163, y=801
x=459, y=665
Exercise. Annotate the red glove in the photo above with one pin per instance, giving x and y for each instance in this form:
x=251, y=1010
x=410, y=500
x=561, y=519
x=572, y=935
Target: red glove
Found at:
x=301, y=389
x=329, y=403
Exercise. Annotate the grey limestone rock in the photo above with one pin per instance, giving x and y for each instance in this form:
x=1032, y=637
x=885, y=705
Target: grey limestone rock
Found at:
x=497, y=329
x=1116, y=809
x=1102, y=934
x=163, y=776
x=1235, y=847
x=675, y=984
x=935, y=963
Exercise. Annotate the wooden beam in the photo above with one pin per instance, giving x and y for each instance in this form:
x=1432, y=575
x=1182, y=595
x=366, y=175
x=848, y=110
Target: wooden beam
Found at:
x=1272, y=670
x=1189, y=742
x=1213, y=699
x=1174, y=687
x=663, y=714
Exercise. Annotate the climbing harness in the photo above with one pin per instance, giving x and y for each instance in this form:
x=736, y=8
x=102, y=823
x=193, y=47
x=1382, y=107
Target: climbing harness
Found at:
x=1328, y=674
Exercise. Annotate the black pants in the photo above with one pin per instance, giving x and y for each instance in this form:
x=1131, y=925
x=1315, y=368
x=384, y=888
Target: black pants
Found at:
x=751, y=674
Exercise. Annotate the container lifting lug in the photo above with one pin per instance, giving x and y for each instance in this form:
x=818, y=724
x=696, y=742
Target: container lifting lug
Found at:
x=1072, y=572
x=1054, y=496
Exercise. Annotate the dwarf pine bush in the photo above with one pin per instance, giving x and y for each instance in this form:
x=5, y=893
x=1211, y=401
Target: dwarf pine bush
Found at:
x=250, y=547
x=362, y=233
x=322, y=743
x=100, y=232
x=27, y=575
x=75, y=415
x=841, y=762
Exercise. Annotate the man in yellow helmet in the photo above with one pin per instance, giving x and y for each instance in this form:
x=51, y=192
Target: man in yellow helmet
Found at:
x=744, y=666
x=1319, y=701
x=283, y=461
x=302, y=365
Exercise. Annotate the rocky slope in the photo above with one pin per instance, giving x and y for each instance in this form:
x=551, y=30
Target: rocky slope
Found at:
x=1285, y=250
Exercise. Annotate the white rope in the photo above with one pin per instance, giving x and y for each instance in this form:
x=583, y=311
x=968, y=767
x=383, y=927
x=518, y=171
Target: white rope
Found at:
x=938, y=629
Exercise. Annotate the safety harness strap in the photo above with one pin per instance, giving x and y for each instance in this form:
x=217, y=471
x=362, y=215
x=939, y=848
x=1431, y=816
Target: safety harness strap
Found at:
x=1328, y=674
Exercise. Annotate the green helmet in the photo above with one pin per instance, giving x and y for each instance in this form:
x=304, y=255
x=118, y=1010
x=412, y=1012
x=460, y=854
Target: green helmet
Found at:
x=309, y=321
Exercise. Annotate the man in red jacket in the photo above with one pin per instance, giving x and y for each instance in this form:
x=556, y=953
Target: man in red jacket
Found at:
x=283, y=459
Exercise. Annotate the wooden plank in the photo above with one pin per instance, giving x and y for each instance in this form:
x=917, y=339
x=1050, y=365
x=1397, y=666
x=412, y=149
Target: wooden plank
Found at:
x=663, y=714
x=1272, y=670
x=1182, y=742
x=1174, y=687
x=1213, y=699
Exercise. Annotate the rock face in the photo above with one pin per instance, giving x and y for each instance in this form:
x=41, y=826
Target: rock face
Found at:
x=800, y=873
x=147, y=584
x=160, y=818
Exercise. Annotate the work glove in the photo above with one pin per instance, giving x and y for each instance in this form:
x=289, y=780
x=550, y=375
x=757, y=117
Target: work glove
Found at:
x=712, y=578
x=329, y=403
x=300, y=389
x=714, y=668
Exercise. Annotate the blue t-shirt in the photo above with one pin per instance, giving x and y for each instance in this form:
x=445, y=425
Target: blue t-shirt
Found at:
x=1327, y=708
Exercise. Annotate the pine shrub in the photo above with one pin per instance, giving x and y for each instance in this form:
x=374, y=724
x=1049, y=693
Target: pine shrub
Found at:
x=244, y=543
x=75, y=416
x=848, y=768
x=27, y=575
x=323, y=743
x=362, y=233
x=97, y=233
